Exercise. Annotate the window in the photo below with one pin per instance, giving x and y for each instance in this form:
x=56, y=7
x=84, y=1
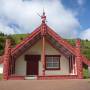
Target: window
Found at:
x=52, y=62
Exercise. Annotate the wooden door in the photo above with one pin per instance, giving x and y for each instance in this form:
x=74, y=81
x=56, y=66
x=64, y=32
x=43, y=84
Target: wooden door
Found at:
x=32, y=64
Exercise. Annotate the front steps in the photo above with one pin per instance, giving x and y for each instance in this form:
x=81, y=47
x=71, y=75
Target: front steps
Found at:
x=31, y=77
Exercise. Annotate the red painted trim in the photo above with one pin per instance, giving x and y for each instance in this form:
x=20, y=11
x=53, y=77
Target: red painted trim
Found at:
x=74, y=66
x=55, y=47
x=50, y=77
x=1, y=59
x=14, y=77
x=79, y=61
x=28, y=59
x=43, y=55
x=7, y=58
x=53, y=55
x=60, y=40
x=25, y=41
x=54, y=35
x=52, y=68
x=50, y=32
x=16, y=55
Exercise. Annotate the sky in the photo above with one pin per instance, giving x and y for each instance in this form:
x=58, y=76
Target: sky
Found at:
x=69, y=18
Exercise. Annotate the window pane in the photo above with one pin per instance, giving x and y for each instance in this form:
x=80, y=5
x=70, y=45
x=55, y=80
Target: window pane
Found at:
x=49, y=65
x=55, y=59
x=56, y=65
x=49, y=59
x=52, y=62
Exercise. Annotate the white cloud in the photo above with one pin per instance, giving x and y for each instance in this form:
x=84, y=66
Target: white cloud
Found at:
x=5, y=29
x=85, y=34
x=25, y=15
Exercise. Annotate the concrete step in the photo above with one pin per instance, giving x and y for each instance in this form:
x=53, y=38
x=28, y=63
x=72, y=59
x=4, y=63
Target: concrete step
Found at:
x=31, y=77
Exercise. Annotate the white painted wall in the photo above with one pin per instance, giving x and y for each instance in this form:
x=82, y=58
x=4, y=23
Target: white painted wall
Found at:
x=37, y=49
x=20, y=66
x=1, y=68
x=64, y=65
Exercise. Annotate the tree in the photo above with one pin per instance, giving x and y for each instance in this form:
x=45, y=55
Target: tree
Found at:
x=12, y=40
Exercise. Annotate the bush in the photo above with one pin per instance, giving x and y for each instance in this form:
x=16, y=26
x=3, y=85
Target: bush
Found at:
x=85, y=73
x=1, y=76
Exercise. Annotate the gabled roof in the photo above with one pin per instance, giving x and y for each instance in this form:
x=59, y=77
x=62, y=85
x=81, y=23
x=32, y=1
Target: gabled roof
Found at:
x=37, y=32
x=36, y=35
x=26, y=40
x=66, y=44
x=50, y=34
x=60, y=40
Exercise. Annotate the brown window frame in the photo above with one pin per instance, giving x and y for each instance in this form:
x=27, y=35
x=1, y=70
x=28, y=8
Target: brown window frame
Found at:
x=53, y=67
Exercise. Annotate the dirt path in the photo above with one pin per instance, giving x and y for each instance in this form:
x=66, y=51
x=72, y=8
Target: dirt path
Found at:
x=45, y=85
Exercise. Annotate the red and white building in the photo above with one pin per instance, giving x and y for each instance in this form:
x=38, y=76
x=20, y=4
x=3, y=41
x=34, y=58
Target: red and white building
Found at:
x=43, y=55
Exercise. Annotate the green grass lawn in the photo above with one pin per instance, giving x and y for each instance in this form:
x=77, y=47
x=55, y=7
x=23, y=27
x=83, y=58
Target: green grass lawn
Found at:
x=19, y=37
x=85, y=46
x=0, y=76
x=85, y=49
x=85, y=73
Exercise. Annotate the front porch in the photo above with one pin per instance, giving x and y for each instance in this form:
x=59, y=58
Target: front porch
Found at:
x=15, y=77
x=30, y=63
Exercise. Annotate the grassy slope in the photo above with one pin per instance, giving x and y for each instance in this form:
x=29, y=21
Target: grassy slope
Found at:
x=19, y=37
x=85, y=47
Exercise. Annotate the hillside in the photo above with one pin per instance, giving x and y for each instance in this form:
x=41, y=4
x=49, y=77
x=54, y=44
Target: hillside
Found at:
x=85, y=46
x=16, y=38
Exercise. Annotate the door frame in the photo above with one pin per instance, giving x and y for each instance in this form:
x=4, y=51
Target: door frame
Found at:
x=27, y=57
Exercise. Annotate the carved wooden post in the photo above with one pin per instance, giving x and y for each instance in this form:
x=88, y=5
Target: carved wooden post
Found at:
x=6, y=62
x=43, y=55
x=43, y=47
x=78, y=60
x=43, y=33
